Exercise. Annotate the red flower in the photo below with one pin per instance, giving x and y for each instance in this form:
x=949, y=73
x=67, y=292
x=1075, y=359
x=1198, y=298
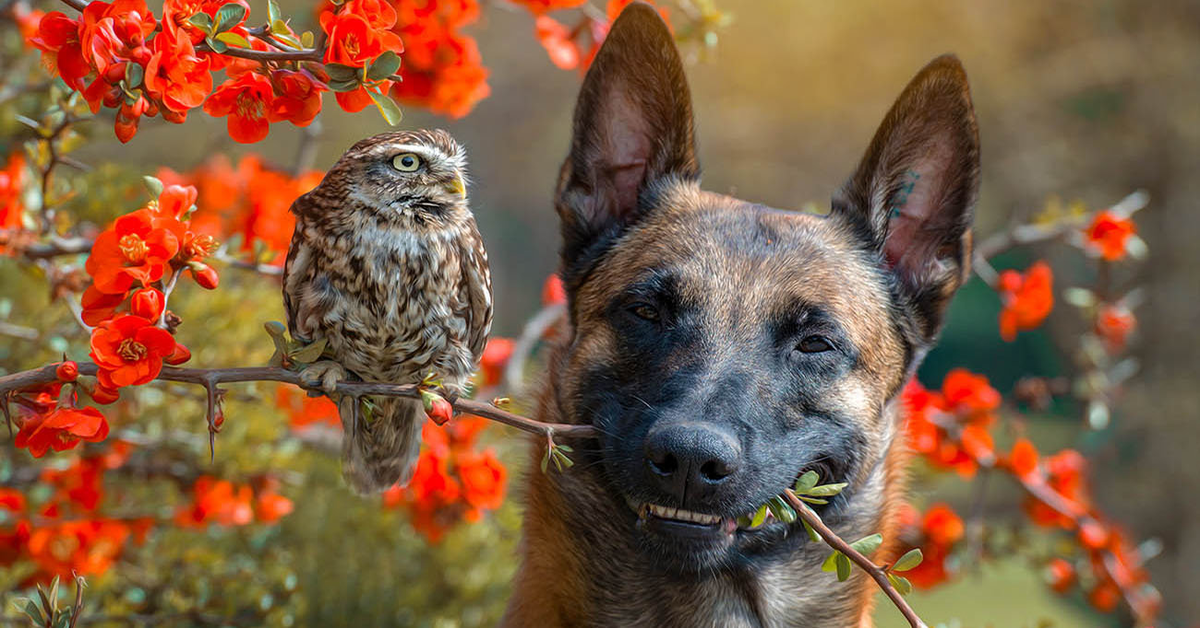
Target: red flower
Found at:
x=304, y=410
x=136, y=248
x=58, y=39
x=1109, y=235
x=129, y=351
x=1113, y=324
x=11, y=500
x=969, y=395
x=483, y=479
x=271, y=507
x=67, y=371
x=176, y=76
x=379, y=14
x=553, y=292
x=1027, y=299
x=12, y=183
x=219, y=502
x=539, y=7
x=558, y=41
x=495, y=358
x=298, y=97
x=246, y=100
x=353, y=41
x=442, y=71
x=176, y=200
x=1060, y=575
x=61, y=429
x=1023, y=461
x=147, y=303
x=942, y=525
x=87, y=548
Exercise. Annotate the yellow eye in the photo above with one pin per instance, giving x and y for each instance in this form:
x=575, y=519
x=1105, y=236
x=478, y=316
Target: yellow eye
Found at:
x=407, y=162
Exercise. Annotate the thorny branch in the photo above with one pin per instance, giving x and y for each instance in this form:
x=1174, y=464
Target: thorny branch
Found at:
x=877, y=573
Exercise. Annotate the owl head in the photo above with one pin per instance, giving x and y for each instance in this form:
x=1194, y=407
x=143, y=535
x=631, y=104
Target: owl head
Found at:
x=404, y=177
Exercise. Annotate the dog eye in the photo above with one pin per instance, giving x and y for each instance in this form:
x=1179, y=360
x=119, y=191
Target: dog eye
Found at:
x=644, y=311
x=814, y=344
x=407, y=162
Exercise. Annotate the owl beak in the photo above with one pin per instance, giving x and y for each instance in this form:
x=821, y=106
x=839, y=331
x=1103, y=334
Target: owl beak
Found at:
x=457, y=186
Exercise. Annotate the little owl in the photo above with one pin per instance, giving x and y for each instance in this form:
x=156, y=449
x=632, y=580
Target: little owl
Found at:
x=387, y=265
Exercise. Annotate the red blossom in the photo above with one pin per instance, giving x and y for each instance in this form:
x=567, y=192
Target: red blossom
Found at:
x=67, y=371
x=246, y=100
x=137, y=248
x=297, y=97
x=1108, y=235
x=495, y=358
x=219, y=502
x=538, y=7
x=1113, y=324
x=12, y=183
x=1027, y=298
x=58, y=39
x=176, y=76
x=129, y=351
x=147, y=303
x=559, y=42
x=553, y=292
x=61, y=429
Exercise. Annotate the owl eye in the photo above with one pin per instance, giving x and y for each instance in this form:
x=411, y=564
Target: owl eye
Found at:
x=407, y=162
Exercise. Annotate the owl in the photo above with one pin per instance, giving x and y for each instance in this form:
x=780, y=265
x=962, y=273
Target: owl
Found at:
x=386, y=265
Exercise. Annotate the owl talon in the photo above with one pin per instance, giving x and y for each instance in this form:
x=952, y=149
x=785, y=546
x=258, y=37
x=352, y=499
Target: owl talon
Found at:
x=323, y=374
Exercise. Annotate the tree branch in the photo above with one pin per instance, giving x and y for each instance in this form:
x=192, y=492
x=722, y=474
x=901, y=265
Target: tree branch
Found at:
x=211, y=378
x=876, y=572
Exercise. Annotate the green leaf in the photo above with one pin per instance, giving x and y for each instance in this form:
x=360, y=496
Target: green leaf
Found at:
x=233, y=39
x=909, y=560
x=781, y=510
x=900, y=584
x=272, y=11
x=134, y=73
x=806, y=482
x=202, y=21
x=813, y=500
x=31, y=609
x=344, y=86
x=812, y=534
x=546, y=460
x=229, y=16
x=843, y=567
x=383, y=66
x=759, y=517
x=391, y=112
x=339, y=72
x=216, y=45
x=827, y=490
x=307, y=39
x=288, y=39
x=309, y=353
x=153, y=185
x=830, y=561
x=868, y=544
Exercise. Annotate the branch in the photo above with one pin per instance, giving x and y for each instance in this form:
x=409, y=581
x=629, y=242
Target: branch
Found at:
x=211, y=378
x=876, y=572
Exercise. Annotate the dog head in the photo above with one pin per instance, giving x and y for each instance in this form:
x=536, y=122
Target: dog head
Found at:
x=722, y=347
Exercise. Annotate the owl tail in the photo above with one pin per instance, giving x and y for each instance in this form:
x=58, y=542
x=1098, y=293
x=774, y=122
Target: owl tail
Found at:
x=381, y=447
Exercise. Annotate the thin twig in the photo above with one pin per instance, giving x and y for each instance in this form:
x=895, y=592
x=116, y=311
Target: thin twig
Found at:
x=836, y=542
x=212, y=377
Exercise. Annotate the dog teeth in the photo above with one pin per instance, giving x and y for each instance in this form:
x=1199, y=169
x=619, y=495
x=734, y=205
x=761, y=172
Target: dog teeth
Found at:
x=680, y=514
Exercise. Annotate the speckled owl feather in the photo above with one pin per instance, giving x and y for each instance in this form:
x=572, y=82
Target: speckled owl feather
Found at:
x=386, y=263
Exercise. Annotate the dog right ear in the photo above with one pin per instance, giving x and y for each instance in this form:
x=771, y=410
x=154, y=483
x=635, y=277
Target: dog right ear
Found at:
x=633, y=127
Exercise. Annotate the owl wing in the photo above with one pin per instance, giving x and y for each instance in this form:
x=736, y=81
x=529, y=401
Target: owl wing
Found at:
x=477, y=286
x=300, y=272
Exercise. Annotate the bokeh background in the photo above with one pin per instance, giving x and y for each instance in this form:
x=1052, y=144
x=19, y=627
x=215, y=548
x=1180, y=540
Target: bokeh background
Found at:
x=1077, y=99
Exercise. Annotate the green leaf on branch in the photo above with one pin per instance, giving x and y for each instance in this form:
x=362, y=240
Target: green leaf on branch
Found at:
x=909, y=560
x=31, y=609
x=781, y=510
x=900, y=584
x=557, y=454
x=830, y=563
x=807, y=482
x=342, y=73
x=759, y=517
x=306, y=39
x=383, y=66
x=216, y=45
x=812, y=534
x=233, y=39
x=229, y=16
x=307, y=354
x=272, y=11
x=134, y=73
x=827, y=490
x=843, y=567
x=391, y=112
x=868, y=544
x=344, y=86
x=813, y=500
x=202, y=21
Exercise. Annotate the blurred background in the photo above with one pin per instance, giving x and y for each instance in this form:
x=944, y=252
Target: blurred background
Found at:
x=1080, y=100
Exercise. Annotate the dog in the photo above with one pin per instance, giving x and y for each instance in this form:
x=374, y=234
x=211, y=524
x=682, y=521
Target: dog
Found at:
x=720, y=348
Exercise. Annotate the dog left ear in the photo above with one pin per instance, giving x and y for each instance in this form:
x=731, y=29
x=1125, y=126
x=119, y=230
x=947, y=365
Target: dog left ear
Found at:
x=914, y=191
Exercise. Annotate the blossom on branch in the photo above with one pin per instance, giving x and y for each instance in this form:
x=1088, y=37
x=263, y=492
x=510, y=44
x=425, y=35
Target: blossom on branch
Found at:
x=1028, y=299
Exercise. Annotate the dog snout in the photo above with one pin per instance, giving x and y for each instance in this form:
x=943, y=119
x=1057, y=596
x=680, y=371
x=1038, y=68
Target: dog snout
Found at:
x=689, y=461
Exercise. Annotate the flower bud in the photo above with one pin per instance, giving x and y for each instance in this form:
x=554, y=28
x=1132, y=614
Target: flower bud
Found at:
x=67, y=371
x=204, y=275
x=182, y=354
x=147, y=303
x=105, y=396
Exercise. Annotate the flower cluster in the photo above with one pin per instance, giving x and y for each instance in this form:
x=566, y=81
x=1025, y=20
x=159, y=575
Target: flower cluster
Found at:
x=247, y=201
x=1028, y=299
x=443, y=68
x=1111, y=236
x=575, y=46
x=12, y=183
x=936, y=533
x=950, y=427
x=453, y=482
x=223, y=503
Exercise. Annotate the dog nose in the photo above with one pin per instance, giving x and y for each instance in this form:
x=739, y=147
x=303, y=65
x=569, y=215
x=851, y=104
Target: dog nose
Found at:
x=691, y=460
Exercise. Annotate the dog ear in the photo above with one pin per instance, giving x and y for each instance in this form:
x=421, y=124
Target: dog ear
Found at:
x=633, y=128
x=913, y=194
